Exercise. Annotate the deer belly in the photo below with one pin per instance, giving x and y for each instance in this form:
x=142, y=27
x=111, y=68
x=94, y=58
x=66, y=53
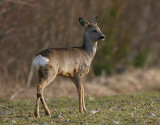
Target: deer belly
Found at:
x=66, y=71
x=70, y=69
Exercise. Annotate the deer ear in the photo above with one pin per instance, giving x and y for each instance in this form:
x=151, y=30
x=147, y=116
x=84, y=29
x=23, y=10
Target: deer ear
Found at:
x=95, y=20
x=83, y=22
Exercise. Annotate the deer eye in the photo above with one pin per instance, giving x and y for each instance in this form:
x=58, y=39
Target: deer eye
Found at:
x=94, y=31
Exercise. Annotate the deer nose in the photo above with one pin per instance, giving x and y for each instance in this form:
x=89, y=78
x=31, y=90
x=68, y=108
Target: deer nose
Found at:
x=101, y=37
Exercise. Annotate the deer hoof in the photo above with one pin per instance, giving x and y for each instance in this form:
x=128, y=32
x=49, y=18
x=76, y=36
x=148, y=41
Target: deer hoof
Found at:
x=82, y=111
x=47, y=113
x=85, y=111
x=36, y=115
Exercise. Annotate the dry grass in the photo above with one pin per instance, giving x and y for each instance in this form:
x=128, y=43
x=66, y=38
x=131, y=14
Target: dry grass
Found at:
x=128, y=82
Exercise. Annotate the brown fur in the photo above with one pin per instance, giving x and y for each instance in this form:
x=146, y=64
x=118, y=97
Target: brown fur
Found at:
x=71, y=62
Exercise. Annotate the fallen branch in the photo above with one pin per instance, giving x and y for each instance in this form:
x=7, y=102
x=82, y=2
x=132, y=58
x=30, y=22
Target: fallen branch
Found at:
x=16, y=93
x=30, y=75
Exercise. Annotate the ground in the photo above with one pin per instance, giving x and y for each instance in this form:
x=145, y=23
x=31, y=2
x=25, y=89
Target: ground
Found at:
x=141, y=108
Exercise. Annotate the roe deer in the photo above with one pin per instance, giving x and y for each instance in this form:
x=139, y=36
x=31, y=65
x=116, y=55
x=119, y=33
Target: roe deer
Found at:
x=71, y=62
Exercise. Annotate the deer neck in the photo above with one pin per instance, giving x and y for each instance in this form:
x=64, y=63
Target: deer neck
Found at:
x=90, y=47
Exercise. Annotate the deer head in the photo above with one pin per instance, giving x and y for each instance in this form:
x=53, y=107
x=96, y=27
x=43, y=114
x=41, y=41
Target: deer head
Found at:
x=92, y=31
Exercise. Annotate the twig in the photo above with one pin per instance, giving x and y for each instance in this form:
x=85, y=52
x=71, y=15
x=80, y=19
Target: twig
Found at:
x=16, y=93
x=30, y=75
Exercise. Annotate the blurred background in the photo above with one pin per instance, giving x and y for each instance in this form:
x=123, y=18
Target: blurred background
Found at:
x=128, y=61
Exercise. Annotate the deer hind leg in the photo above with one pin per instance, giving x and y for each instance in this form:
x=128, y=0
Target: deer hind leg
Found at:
x=36, y=113
x=46, y=76
x=80, y=91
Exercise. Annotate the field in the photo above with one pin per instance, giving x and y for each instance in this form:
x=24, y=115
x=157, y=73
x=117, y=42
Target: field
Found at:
x=141, y=109
x=123, y=85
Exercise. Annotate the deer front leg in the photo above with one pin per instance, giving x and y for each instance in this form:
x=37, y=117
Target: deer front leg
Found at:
x=80, y=99
x=80, y=91
x=83, y=102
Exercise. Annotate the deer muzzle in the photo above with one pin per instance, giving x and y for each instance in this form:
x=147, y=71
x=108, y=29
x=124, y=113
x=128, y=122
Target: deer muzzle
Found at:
x=101, y=37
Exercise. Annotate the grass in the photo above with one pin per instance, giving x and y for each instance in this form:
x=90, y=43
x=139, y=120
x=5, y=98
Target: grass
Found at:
x=141, y=109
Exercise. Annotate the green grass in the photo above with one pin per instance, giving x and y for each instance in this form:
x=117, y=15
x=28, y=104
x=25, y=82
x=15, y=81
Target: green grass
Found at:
x=124, y=109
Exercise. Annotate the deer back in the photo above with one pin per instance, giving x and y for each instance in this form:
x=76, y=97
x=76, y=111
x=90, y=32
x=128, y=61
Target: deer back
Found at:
x=67, y=62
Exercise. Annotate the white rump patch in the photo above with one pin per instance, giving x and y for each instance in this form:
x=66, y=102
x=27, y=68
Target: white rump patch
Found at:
x=40, y=61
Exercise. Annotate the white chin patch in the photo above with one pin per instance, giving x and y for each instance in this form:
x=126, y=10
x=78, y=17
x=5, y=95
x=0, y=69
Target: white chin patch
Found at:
x=102, y=39
x=40, y=61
